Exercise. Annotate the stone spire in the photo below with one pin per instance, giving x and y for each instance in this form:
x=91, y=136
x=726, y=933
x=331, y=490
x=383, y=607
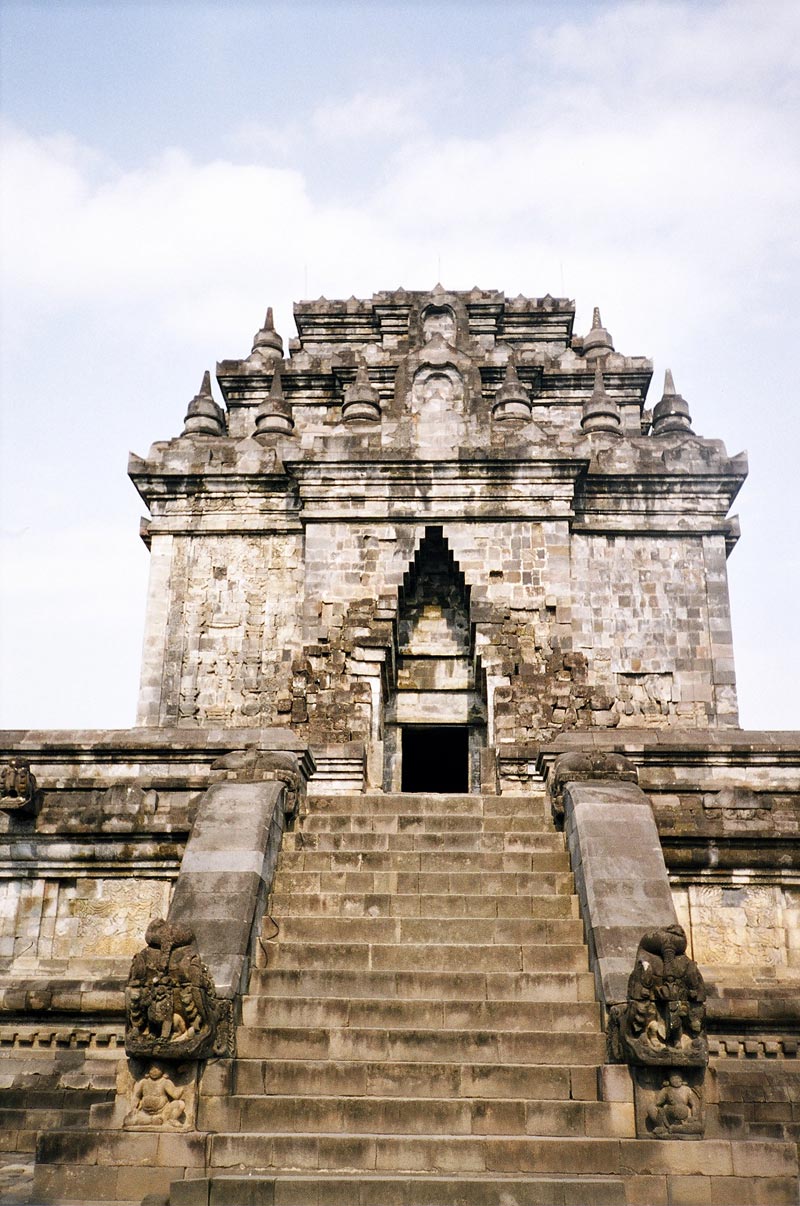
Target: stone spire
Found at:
x=512, y=400
x=672, y=412
x=361, y=400
x=600, y=412
x=267, y=343
x=203, y=415
x=274, y=415
x=598, y=342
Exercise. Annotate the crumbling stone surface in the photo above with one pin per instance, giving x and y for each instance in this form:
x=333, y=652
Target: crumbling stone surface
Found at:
x=171, y=1007
x=594, y=558
x=663, y=1022
x=438, y=509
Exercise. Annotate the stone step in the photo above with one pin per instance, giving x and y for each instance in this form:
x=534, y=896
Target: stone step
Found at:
x=464, y=1154
x=373, y=1190
x=420, y=931
x=364, y=1078
x=373, y=803
x=473, y=842
x=470, y=883
x=495, y=957
x=414, y=904
x=415, y=1046
x=415, y=1116
x=371, y=1012
x=435, y=985
x=424, y=822
x=447, y=862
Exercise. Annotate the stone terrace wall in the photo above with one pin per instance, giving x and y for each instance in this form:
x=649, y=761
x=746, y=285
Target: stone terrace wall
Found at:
x=82, y=872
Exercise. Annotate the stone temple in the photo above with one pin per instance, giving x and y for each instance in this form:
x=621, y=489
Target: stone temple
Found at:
x=437, y=870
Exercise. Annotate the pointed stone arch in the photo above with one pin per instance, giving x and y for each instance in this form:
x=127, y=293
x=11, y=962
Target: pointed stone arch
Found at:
x=439, y=683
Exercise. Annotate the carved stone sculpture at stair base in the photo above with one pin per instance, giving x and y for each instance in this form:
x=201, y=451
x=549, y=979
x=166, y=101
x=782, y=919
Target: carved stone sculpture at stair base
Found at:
x=171, y=1006
x=660, y=1032
x=664, y=1018
x=669, y=1107
x=157, y=1102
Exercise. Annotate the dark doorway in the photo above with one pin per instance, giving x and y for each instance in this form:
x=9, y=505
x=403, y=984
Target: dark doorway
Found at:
x=435, y=758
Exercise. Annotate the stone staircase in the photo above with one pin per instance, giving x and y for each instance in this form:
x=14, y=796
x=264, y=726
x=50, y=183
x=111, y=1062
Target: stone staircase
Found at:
x=420, y=1030
x=424, y=1030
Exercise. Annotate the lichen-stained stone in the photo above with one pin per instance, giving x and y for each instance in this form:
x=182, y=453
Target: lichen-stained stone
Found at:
x=593, y=560
x=434, y=528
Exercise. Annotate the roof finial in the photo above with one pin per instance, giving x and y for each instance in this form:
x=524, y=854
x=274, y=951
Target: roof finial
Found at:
x=512, y=400
x=600, y=412
x=274, y=415
x=672, y=412
x=361, y=399
x=267, y=343
x=203, y=416
x=598, y=342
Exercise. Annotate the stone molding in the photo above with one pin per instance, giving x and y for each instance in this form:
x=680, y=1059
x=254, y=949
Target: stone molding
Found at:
x=620, y=876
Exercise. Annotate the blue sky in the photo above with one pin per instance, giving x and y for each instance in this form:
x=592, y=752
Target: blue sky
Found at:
x=172, y=169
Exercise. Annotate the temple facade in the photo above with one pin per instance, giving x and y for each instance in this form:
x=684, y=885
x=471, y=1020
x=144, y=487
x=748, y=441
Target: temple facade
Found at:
x=437, y=681
x=439, y=509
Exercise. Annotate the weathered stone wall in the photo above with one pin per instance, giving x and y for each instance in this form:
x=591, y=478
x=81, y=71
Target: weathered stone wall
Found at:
x=83, y=870
x=220, y=653
x=571, y=631
x=76, y=925
x=743, y=927
x=591, y=540
x=727, y=808
x=651, y=616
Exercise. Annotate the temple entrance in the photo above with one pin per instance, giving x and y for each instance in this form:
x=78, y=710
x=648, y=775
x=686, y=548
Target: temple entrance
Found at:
x=435, y=720
x=435, y=758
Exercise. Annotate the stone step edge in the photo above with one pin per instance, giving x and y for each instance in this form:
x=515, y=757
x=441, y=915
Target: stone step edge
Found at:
x=185, y=1191
x=266, y=1174
x=294, y=943
x=526, y=1068
x=424, y=1032
x=345, y=1098
x=703, y=1149
x=357, y=893
x=376, y=1002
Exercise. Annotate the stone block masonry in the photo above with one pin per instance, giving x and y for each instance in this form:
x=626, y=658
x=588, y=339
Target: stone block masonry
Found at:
x=593, y=552
x=414, y=557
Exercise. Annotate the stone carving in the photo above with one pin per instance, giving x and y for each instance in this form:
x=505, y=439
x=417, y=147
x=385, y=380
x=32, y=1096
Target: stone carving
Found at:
x=158, y=1103
x=669, y=1103
x=660, y=1032
x=675, y=1113
x=204, y=416
x=439, y=320
x=598, y=343
x=663, y=1021
x=267, y=345
x=171, y=1006
x=274, y=415
x=601, y=412
x=581, y=767
x=252, y=765
x=512, y=400
x=741, y=925
x=17, y=785
x=361, y=400
x=671, y=414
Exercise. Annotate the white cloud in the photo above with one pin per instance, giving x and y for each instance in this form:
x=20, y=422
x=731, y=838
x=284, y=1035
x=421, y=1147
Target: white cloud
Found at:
x=368, y=115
